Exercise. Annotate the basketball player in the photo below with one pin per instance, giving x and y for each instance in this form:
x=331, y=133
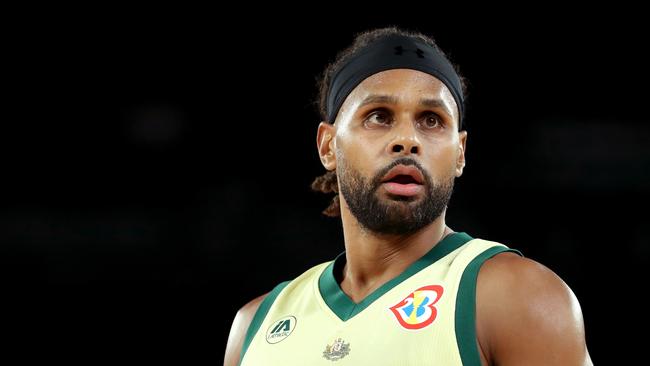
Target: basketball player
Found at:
x=408, y=290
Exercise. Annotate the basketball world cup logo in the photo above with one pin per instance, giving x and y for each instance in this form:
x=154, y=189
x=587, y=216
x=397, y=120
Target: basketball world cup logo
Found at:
x=417, y=310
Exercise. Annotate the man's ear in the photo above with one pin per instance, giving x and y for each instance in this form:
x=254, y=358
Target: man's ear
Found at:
x=460, y=160
x=326, y=144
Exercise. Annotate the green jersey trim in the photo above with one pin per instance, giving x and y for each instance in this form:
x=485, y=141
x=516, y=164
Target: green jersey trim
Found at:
x=260, y=314
x=345, y=308
x=466, y=307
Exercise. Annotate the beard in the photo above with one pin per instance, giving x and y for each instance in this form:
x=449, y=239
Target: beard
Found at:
x=396, y=215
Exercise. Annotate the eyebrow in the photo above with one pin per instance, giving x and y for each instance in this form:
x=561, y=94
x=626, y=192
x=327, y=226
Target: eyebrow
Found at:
x=389, y=99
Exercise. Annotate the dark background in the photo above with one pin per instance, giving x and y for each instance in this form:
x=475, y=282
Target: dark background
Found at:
x=156, y=169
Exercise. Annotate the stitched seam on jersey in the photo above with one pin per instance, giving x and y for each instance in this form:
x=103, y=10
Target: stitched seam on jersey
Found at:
x=465, y=314
x=260, y=314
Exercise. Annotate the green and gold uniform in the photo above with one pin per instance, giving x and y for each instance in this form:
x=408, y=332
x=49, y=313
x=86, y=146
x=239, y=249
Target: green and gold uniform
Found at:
x=425, y=316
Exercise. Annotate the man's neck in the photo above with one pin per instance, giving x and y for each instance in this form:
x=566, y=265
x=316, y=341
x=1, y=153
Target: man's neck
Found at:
x=374, y=259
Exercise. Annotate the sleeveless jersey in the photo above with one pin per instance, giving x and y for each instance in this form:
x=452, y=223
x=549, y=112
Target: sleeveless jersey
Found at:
x=425, y=316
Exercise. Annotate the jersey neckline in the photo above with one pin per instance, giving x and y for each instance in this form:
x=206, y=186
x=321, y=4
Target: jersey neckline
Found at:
x=345, y=308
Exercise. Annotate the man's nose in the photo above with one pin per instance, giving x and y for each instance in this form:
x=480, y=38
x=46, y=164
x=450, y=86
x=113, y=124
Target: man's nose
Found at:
x=405, y=141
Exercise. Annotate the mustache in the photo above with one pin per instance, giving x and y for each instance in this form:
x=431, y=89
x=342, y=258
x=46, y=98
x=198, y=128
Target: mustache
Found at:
x=376, y=181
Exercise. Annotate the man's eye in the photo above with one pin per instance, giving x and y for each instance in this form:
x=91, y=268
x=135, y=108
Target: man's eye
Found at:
x=380, y=117
x=431, y=120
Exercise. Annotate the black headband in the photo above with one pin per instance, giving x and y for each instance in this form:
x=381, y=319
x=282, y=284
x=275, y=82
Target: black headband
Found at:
x=392, y=52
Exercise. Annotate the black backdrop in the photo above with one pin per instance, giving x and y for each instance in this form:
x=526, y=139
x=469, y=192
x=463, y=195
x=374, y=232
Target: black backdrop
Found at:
x=157, y=166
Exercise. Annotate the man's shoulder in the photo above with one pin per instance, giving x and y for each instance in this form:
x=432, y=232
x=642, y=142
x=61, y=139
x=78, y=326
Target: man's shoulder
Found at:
x=508, y=278
x=522, y=305
x=239, y=328
x=250, y=308
x=516, y=274
x=247, y=314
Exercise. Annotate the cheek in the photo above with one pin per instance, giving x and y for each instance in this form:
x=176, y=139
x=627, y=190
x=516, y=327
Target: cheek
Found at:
x=355, y=148
x=442, y=160
x=354, y=157
x=362, y=144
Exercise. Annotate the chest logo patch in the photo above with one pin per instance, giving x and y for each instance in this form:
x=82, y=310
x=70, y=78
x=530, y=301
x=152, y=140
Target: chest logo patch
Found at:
x=418, y=310
x=337, y=350
x=281, y=329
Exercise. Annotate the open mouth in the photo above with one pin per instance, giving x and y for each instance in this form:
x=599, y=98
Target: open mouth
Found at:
x=403, y=180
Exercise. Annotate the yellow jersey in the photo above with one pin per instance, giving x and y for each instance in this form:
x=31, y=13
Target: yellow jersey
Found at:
x=424, y=316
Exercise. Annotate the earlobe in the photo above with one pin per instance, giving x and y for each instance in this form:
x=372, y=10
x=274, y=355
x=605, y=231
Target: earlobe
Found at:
x=325, y=141
x=460, y=160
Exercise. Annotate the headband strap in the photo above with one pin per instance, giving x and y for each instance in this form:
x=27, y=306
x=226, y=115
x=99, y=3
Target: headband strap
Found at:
x=392, y=52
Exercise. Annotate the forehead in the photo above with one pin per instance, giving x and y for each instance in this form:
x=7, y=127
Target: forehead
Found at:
x=404, y=84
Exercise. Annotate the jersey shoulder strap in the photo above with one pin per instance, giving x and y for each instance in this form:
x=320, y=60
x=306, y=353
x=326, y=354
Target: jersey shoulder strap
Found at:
x=465, y=320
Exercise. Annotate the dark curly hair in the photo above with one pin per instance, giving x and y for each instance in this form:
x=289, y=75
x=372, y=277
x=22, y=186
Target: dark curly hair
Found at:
x=328, y=182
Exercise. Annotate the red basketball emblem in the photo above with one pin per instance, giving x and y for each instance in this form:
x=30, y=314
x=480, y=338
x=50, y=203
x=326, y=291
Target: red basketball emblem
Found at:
x=418, y=310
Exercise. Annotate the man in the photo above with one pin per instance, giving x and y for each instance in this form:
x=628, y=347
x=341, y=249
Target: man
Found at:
x=408, y=290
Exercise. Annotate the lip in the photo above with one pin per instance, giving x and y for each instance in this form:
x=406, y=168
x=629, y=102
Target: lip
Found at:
x=404, y=170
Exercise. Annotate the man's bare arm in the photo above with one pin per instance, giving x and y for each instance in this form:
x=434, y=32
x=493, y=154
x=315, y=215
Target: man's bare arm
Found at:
x=238, y=331
x=526, y=315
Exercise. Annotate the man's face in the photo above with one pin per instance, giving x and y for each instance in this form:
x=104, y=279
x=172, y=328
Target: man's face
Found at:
x=397, y=119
